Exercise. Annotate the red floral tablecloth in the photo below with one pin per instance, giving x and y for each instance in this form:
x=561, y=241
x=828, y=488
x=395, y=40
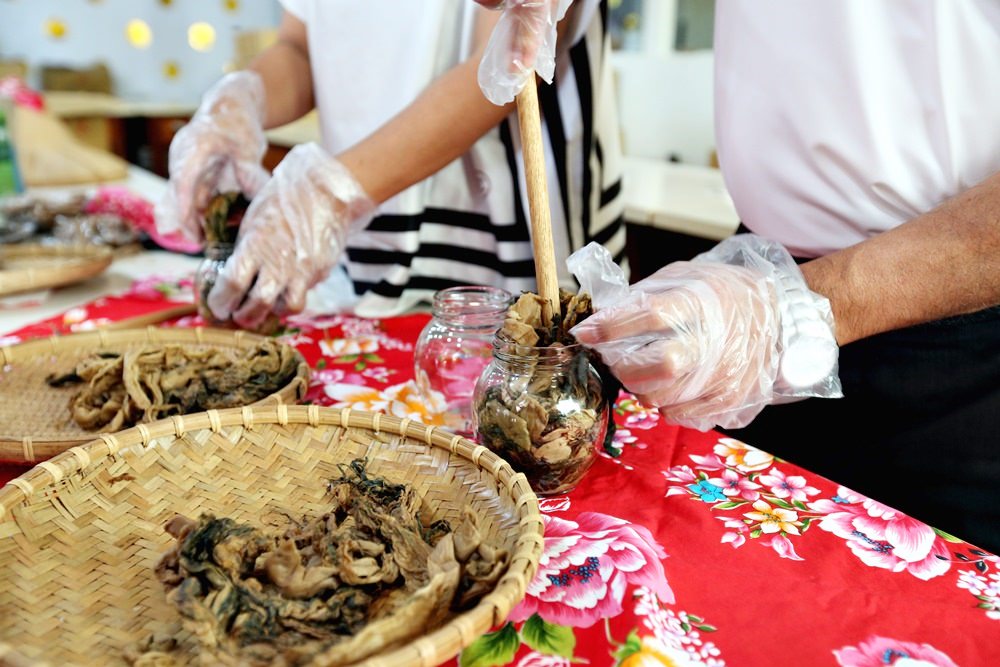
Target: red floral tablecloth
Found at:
x=686, y=548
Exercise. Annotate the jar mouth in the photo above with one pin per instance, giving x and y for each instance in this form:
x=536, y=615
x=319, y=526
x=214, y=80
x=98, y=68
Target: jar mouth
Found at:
x=471, y=303
x=507, y=349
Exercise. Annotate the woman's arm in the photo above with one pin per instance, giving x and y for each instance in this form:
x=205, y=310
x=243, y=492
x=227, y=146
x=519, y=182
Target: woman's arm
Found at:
x=287, y=74
x=438, y=127
x=943, y=263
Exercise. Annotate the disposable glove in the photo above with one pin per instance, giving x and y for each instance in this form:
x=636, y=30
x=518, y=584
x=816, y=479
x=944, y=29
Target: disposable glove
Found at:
x=710, y=342
x=291, y=236
x=523, y=42
x=219, y=150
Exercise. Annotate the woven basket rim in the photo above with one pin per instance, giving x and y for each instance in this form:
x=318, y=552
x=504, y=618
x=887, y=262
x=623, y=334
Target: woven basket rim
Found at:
x=80, y=263
x=28, y=449
x=427, y=650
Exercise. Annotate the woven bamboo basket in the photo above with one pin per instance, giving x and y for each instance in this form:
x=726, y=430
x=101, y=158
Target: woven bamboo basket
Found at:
x=80, y=534
x=35, y=420
x=27, y=267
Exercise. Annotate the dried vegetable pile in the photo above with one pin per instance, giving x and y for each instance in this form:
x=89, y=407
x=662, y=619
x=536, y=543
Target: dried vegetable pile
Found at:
x=527, y=420
x=149, y=383
x=223, y=216
x=370, y=575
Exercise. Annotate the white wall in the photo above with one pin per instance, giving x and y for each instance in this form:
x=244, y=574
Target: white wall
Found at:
x=96, y=31
x=665, y=97
x=665, y=105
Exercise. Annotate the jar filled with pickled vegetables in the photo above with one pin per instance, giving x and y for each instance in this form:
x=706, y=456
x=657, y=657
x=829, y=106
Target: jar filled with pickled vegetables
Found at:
x=456, y=345
x=543, y=409
x=544, y=402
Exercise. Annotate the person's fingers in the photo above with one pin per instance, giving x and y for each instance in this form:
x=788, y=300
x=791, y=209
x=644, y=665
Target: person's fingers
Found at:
x=251, y=177
x=293, y=299
x=261, y=299
x=233, y=283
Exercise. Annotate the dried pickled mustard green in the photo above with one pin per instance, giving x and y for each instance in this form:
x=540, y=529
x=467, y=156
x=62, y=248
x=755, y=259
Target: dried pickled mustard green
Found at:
x=147, y=384
x=372, y=573
x=223, y=216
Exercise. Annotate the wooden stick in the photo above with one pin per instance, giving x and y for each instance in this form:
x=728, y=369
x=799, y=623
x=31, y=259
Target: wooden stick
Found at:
x=152, y=318
x=538, y=198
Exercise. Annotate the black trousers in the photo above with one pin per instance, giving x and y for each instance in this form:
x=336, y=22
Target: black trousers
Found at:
x=918, y=428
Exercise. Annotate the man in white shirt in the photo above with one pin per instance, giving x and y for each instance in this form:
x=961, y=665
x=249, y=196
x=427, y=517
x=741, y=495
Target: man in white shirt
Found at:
x=863, y=138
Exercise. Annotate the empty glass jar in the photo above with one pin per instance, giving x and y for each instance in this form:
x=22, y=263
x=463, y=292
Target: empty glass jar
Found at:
x=456, y=345
x=542, y=409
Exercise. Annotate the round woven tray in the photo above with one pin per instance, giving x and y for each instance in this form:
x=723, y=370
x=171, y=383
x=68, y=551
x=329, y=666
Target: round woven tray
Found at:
x=81, y=534
x=27, y=267
x=35, y=421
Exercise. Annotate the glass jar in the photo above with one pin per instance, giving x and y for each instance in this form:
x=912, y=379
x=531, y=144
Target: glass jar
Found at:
x=205, y=277
x=456, y=345
x=543, y=410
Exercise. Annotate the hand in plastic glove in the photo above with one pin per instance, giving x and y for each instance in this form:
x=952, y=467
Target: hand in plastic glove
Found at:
x=524, y=42
x=291, y=236
x=219, y=150
x=710, y=342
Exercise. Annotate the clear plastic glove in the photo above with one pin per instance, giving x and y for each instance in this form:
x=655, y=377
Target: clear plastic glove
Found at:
x=710, y=342
x=523, y=42
x=220, y=150
x=291, y=236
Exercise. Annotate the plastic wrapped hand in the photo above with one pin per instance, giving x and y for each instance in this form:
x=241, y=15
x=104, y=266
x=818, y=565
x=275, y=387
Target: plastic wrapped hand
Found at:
x=219, y=150
x=524, y=42
x=710, y=342
x=291, y=236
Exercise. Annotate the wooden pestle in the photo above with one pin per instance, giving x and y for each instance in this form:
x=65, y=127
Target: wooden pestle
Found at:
x=530, y=122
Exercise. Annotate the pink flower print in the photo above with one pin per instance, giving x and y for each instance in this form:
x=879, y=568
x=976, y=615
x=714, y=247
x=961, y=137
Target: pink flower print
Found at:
x=737, y=538
x=882, y=536
x=636, y=414
x=735, y=484
x=781, y=545
x=742, y=456
x=156, y=288
x=339, y=347
x=710, y=462
x=560, y=504
x=881, y=651
x=788, y=486
x=320, y=377
x=682, y=474
x=586, y=567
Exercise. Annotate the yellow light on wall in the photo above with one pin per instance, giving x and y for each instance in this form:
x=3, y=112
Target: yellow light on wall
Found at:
x=231, y=5
x=171, y=70
x=55, y=28
x=201, y=36
x=138, y=33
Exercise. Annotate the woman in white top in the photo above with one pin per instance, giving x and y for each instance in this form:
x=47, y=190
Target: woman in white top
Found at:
x=861, y=136
x=417, y=185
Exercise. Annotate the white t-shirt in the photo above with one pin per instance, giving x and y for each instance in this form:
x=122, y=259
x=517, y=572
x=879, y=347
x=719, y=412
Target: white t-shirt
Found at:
x=467, y=224
x=838, y=120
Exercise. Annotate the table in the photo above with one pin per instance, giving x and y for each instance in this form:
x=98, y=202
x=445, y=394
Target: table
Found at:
x=685, y=548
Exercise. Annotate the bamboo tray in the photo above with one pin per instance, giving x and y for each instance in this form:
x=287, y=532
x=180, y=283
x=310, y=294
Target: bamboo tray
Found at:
x=80, y=534
x=35, y=422
x=26, y=267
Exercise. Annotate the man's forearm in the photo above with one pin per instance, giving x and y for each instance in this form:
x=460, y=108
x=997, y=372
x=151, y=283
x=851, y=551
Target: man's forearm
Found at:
x=943, y=263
